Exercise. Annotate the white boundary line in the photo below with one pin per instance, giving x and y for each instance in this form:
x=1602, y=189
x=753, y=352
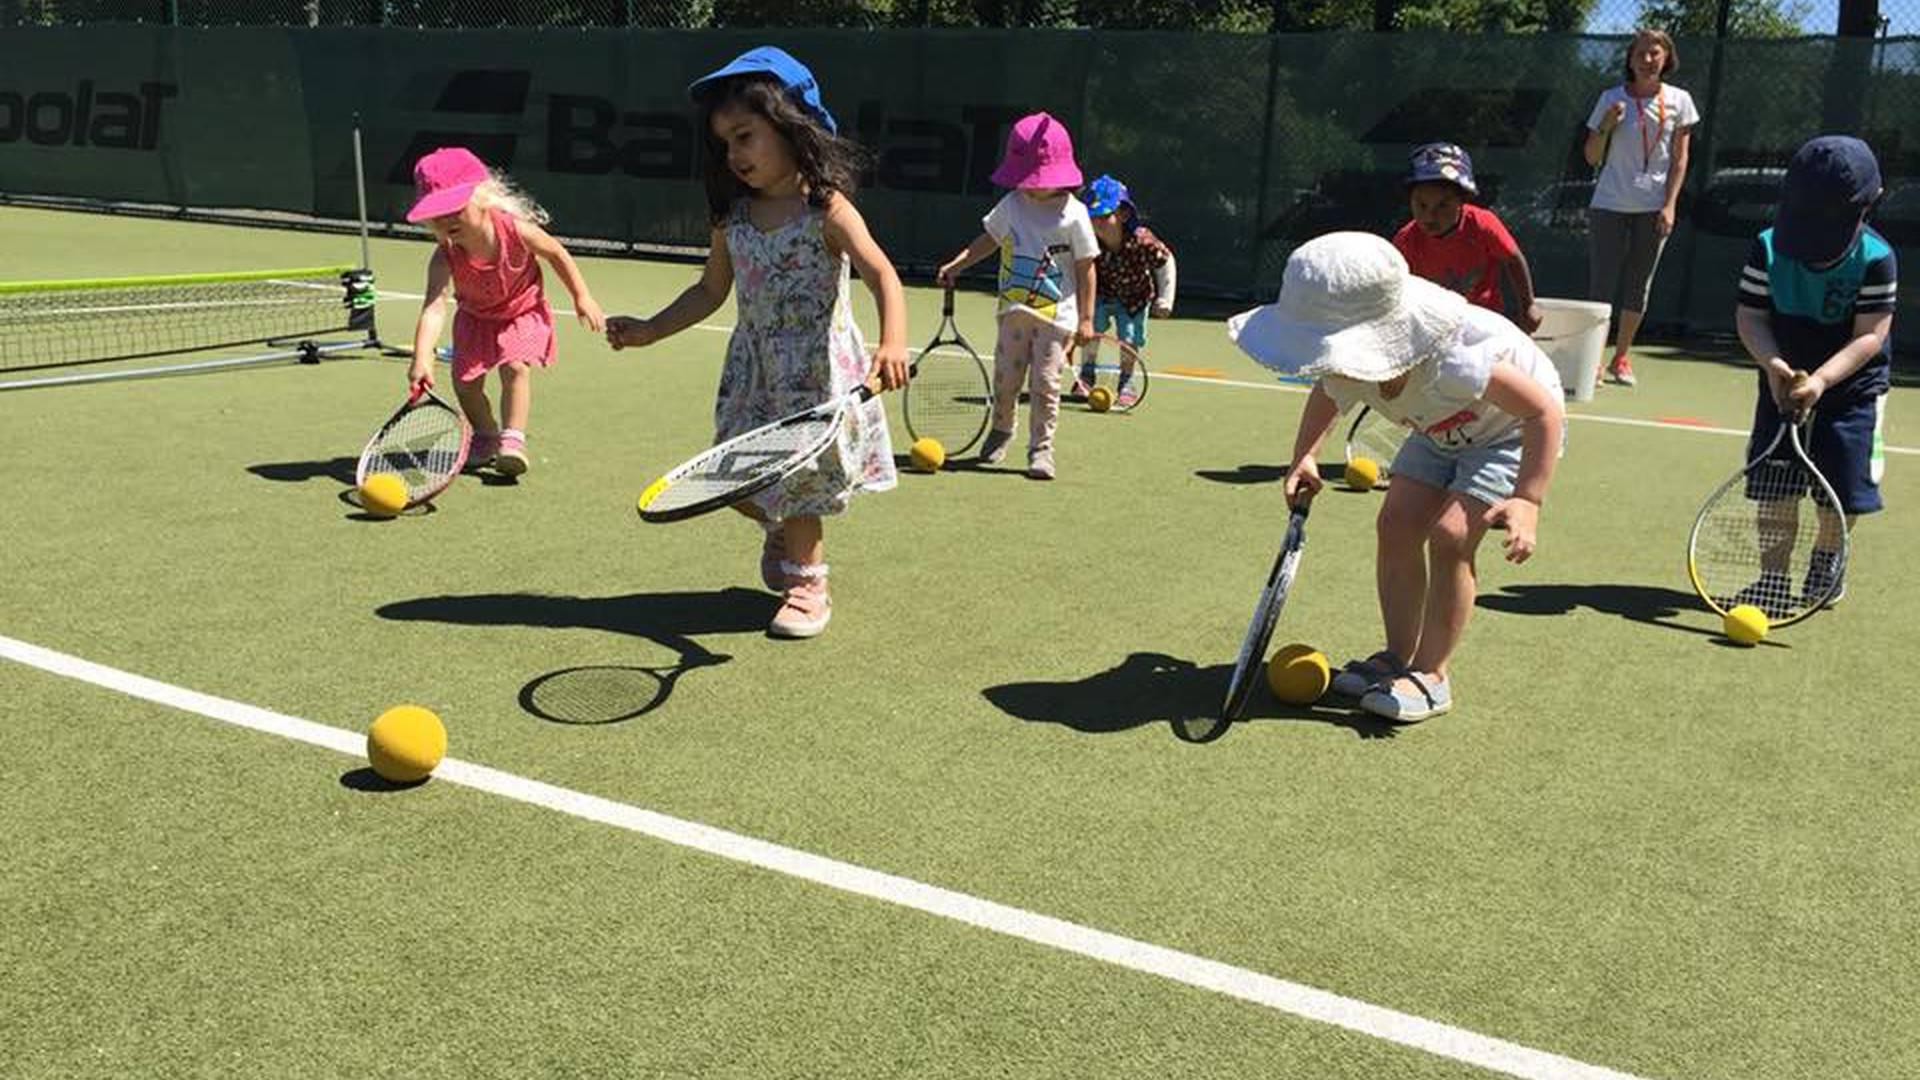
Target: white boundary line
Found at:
x=1277, y=994
x=1598, y=418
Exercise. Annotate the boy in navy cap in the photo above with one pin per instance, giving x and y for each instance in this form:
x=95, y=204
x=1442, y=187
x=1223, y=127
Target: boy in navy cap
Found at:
x=1463, y=247
x=1817, y=295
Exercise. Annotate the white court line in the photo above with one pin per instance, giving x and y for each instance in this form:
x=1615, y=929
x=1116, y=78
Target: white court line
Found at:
x=1598, y=418
x=1251, y=986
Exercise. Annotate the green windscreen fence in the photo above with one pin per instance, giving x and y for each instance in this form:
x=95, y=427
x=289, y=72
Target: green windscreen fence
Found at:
x=1238, y=147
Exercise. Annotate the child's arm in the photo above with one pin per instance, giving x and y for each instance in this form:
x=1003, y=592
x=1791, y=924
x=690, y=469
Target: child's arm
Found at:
x=700, y=300
x=846, y=231
x=557, y=256
x=1755, y=327
x=1165, y=276
x=1316, y=419
x=982, y=246
x=1086, y=287
x=1515, y=275
x=1542, y=417
x=1870, y=330
x=433, y=318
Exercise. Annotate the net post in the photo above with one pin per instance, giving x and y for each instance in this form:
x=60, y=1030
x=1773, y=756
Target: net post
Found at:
x=360, y=190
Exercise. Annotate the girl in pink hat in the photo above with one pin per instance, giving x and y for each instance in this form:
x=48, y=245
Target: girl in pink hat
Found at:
x=488, y=238
x=785, y=232
x=1047, y=249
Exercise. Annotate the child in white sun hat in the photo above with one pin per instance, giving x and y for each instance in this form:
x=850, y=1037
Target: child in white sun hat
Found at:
x=1484, y=406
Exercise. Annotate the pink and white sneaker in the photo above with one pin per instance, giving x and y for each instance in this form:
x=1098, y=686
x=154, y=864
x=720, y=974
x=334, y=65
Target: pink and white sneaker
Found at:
x=511, y=460
x=808, y=607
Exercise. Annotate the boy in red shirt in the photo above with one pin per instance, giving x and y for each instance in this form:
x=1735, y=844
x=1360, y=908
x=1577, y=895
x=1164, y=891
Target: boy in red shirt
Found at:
x=1461, y=246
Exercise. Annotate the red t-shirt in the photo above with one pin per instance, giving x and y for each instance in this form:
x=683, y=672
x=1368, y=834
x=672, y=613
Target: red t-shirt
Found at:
x=1466, y=260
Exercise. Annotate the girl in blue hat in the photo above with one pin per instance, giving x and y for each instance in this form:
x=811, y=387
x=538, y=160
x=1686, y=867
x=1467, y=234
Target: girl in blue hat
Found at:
x=778, y=180
x=1136, y=273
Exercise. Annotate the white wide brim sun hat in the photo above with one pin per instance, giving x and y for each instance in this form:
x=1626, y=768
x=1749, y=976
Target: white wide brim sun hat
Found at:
x=1348, y=306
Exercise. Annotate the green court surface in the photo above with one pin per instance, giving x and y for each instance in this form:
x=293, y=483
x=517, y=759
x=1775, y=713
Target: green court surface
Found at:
x=1632, y=844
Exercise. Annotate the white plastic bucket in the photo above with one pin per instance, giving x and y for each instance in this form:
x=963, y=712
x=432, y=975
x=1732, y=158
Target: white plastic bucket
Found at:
x=1573, y=334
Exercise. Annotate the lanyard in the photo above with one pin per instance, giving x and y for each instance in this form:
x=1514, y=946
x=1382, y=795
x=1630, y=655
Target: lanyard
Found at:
x=1649, y=139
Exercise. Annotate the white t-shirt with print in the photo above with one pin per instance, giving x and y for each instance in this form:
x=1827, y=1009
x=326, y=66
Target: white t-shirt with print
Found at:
x=1633, y=178
x=1039, y=243
x=1445, y=394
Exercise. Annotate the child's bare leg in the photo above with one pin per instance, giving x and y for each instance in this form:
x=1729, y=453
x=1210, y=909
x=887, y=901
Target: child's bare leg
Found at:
x=1451, y=581
x=473, y=401
x=1401, y=568
x=516, y=395
x=806, y=541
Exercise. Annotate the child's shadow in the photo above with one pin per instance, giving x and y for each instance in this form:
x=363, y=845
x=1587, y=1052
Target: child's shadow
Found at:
x=667, y=618
x=1654, y=605
x=1151, y=688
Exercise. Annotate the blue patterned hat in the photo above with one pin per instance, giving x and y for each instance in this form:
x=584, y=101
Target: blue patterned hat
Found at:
x=1105, y=195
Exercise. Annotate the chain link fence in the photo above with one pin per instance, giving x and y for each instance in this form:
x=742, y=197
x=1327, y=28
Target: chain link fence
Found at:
x=1742, y=18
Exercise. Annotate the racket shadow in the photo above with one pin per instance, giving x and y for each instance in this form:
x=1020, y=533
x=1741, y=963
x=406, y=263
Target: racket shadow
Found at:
x=1155, y=688
x=1651, y=605
x=596, y=694
x=1330, y=473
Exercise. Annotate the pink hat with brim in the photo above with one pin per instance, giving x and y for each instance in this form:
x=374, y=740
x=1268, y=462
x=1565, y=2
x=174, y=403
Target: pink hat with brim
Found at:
x=1039, y=155
x=443, y=182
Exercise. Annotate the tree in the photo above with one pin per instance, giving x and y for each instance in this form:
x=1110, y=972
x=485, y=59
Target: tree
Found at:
x=1745, y=18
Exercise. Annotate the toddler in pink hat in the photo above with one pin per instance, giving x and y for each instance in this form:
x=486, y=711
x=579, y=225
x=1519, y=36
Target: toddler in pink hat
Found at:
x=488, y=240
x=1047, y=248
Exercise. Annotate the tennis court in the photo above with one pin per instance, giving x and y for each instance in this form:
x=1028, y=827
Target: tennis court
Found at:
x=955, y=835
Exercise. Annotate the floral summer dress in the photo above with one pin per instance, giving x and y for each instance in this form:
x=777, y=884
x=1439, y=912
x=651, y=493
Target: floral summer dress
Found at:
x=796, y=345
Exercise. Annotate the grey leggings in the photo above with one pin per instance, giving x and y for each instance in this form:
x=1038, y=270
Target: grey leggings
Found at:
x=1624, y=249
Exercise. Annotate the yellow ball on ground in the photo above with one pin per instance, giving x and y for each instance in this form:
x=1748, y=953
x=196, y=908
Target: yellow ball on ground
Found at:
x=405, y=743
x=1099, y=399
x=1298, y=674
x=1363, y=474
x=383, y=494
x=927, y=454
x=1746, y=624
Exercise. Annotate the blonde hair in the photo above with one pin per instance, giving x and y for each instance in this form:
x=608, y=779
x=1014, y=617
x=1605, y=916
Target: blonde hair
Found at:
x=1660, y=38
x=499, y=190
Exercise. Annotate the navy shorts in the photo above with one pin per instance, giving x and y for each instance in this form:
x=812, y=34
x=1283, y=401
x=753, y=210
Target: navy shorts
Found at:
x=1841, y=442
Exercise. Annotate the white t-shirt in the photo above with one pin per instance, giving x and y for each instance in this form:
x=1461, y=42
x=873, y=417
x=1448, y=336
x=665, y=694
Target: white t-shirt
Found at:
x=1445, y=394
x=1633, y=178
x=1039, y=243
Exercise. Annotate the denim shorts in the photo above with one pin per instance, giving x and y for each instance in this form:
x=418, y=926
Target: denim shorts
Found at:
x=1487, y=473
x=1128, y=326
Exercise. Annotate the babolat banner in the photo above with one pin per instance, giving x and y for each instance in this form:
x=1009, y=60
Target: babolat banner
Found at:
x=1236, y=147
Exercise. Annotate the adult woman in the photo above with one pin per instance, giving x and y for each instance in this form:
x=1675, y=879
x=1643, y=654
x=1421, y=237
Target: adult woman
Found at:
x=1637, y=136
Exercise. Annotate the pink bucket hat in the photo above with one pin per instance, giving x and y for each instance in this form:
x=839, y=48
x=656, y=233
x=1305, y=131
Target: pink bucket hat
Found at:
x=443, y=181
x=1039, y=155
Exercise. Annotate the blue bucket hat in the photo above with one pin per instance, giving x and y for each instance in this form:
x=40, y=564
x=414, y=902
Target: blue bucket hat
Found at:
x=1442, y=161
x=1831, y=181
x=1105, y=195
x=778, y=64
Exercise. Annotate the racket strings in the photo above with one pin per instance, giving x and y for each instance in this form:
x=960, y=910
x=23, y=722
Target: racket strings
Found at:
x=947, y=398
x=741, y=463
x=424, y=447
x=1772, y=540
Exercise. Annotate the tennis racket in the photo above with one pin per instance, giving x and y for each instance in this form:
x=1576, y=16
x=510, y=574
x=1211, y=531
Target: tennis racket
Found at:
x=1120, y=369
x=1773, y=535
x=747, y=464
x=948, y=396
x=1374, y=436
x=424, y=443
x=1266, y=612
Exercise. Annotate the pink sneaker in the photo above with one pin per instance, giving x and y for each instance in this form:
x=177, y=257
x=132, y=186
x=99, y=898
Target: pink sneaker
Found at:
x=773, y=552
x=808, y=607
x=512, y=457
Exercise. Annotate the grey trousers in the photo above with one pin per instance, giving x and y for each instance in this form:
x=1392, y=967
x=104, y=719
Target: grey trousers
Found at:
x=1624, y=250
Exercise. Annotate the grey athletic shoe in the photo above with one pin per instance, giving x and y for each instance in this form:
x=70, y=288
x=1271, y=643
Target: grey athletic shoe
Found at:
x=994, y=450
x=1040, y=465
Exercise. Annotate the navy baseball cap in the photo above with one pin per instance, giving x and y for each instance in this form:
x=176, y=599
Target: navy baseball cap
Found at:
x=778, y=64
x=1442, y=161
x=1831, y=181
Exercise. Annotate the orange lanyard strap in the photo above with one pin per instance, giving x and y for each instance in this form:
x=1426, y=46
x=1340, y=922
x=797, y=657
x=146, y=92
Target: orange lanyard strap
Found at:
x=1649, y=139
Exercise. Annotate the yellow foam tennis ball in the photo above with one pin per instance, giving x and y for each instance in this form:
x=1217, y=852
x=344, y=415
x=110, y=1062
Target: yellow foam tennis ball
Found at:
x=1099, y=399
x=927, y=454
x=383, y=494
x=1746, y=624
x=405, y=743
x=1363, y=473
x=1298, y=674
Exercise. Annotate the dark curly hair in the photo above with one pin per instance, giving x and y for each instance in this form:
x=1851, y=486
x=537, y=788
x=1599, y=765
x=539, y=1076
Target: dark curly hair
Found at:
x=828, y=163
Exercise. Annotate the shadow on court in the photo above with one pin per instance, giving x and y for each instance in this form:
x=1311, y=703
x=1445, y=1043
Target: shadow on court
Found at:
x=1654, y=605
x=1154, y=688
x=365, y=779
x=597, y=694
x=669, y=619
x=1330, y=474
x=294, y=472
